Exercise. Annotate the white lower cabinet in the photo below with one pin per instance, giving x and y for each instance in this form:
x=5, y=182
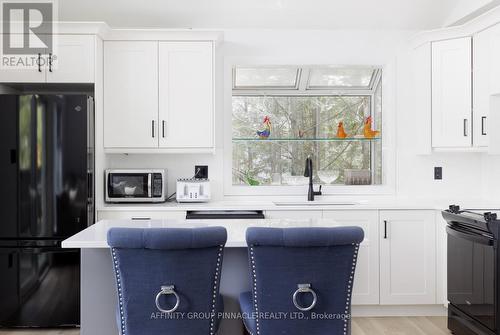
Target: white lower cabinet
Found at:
x=407, y=257
x=140, y=215
x=401, y=261
x=366, y=279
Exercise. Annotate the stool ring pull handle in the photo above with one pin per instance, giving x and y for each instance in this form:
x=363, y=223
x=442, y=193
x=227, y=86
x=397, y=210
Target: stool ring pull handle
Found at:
x=167, y=290
x=304, y=288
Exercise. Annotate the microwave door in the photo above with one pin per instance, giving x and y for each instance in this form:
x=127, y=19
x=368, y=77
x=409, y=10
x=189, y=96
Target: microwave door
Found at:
x=128, y=186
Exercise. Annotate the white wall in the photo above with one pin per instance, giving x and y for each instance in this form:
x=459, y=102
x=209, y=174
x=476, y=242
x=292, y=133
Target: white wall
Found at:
x=414, y=173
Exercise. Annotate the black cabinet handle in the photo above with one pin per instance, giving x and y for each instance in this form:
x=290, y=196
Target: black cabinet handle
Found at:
x=483, y=118
x=153, y=128
x=385, y=229
x=39, y=62
x=465, y=127
x=163, y=128
x=136, y=218
x=50, y=62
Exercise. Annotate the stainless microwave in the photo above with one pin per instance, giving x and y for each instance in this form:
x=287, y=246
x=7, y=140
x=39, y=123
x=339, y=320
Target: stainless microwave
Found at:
x=135, y=185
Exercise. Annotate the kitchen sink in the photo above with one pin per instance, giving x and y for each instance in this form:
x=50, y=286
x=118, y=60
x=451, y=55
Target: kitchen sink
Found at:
x=316, y=203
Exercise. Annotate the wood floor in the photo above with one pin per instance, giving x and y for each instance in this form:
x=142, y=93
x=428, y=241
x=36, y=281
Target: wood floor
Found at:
x=360, y=326
x=435, y=325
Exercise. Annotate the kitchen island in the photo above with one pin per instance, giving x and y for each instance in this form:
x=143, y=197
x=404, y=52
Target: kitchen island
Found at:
x=98, y=293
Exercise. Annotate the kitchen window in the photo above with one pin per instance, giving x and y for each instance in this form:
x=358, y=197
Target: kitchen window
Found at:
x=282, y=115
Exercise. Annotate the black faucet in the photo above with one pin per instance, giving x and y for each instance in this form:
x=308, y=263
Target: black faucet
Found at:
x=309, y=173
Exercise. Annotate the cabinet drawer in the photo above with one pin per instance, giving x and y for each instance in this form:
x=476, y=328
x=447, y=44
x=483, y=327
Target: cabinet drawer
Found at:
x=140, y=215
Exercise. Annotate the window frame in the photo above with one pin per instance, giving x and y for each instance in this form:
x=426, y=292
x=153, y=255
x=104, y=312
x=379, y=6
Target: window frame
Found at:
x=298, y=76
x=388, y=124
x=374, y=81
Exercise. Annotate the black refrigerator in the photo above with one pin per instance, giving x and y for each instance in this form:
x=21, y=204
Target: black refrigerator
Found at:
x=47, y=162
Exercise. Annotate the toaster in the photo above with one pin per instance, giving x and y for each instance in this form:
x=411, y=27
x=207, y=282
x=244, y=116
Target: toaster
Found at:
x=193, y=190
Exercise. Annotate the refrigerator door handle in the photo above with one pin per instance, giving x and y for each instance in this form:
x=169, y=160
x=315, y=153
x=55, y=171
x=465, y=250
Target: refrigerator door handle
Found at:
x=90, y=161
x=13, y=156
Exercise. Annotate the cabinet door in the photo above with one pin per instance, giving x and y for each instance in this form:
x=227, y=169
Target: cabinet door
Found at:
x=452, y=93
x=486, y=82
x=23, y=69
x=186, y=95
x=366, y=279
x=407, y=257
x=130, y=94
x=73, y=60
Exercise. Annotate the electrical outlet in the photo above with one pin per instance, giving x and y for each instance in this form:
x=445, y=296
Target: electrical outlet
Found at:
x=201, y=171
x=438, y=173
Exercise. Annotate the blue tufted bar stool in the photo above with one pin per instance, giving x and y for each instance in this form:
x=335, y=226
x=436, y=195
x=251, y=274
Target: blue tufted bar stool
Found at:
x=168, y=279
x=302, y=280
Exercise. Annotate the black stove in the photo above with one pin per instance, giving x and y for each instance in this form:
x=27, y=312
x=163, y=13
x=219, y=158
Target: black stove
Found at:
x=473, y=280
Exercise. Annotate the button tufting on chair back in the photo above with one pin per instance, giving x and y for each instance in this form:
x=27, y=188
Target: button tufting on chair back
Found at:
x=168, y=279
x=302, y=280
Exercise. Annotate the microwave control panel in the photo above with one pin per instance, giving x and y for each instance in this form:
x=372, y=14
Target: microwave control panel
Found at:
x=157, y=185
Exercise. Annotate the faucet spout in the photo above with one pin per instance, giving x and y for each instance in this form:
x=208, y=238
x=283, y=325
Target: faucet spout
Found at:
x=309, y=173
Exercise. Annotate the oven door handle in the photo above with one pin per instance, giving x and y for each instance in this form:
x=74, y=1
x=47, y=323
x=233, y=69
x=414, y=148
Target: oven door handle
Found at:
x=463, y=234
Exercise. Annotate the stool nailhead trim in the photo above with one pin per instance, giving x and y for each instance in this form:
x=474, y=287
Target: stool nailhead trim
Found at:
x=120, y=295
x=254, y=290
x=349, y=286
x=214, y=297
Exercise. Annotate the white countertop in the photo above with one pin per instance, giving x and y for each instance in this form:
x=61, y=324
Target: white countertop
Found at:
x=322, y=203
x=95, y=235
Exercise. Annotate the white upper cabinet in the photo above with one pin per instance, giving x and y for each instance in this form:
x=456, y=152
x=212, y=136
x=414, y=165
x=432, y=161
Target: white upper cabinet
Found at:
x=407, y=257
x=186, y=104
x=158, y=96
x=22, y=72
x=486, y=83
x=130, y=94
x=452, y=93
x=74, y=61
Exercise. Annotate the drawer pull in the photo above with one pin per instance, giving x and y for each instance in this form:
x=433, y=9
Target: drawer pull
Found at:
x=137, y=218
